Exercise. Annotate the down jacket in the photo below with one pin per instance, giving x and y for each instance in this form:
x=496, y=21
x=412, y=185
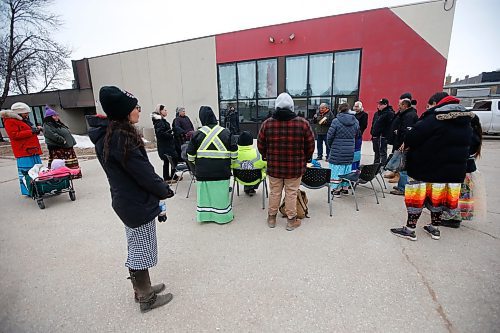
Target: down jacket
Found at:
x=164, y=137
x=439, y=143
x=23, y=136
x=340, y=137
x=57, y=135
x=136, y=190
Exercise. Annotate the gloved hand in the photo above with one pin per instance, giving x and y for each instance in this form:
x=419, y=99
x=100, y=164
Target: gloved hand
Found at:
x=170, y=193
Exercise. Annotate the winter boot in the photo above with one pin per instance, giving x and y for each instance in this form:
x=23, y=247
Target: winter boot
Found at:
x=271, y=221
x=148, y=299
x=292, y=224
x=157, y=288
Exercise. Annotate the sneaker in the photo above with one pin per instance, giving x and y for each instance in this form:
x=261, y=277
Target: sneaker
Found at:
x=397, y=192
x=404, y=232
x=336, y=194
x=433, y=231
x=319, y=158
x=395, y=188
x=450, y=223
x=345, y=192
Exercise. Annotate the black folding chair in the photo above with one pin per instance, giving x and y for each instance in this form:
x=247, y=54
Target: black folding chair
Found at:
x=249, y=176
x=364, y=176
x=316, y=178
x=183, y=167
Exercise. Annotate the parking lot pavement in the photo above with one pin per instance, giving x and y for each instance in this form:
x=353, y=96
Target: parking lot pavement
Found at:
x=63, y=267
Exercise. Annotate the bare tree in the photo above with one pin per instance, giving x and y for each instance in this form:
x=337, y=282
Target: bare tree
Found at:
x=30, y=60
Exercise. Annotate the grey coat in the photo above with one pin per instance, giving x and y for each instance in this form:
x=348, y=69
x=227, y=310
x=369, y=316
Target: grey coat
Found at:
x=57, y=135
x=341, y=137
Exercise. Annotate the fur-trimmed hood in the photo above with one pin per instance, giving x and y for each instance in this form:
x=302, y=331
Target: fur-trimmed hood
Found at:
x=10, y=114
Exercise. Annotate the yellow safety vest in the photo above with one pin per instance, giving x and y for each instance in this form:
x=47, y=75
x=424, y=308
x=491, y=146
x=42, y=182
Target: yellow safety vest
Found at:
x=212, y=137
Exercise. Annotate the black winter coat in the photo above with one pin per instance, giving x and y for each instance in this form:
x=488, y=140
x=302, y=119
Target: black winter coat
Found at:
x=164, y=138
x=232, y=122
x=211, y=169
x=382, y=120
x=136, y=189
x=362, y=118
x=439, y=144
x=402, y=123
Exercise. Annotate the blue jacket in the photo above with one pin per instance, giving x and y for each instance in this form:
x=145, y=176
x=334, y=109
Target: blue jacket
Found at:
x=341, y=137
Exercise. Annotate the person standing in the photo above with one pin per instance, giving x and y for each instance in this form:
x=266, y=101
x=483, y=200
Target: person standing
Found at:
x=341, y=137
x=402, y=124
x=182, y=125
x=381, y=129
x=286, y=142
x=362, y=118
x=136, y=190
x=436, y=162
x=232, y=121
x=23, y=137
x=59, y=141
x=322, y=120
x=212, y=151
x=165, y=142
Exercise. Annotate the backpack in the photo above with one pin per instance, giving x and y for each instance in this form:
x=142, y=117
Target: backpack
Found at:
x=302, y=209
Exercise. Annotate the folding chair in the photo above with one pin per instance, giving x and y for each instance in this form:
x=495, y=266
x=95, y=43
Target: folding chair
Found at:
x=316, y=178
x=178, y=167
x=249, y=176
x=183, y=167
x=365, y=175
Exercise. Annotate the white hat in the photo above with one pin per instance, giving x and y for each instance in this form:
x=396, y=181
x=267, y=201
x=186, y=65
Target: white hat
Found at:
x=284, y=101
x=20, y=107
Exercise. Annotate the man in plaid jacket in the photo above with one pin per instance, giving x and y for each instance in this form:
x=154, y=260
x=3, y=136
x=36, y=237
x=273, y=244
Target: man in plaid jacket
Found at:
x=286, y=142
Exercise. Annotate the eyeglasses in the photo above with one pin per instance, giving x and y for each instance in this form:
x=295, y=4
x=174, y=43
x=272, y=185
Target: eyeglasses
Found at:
x=138, y=107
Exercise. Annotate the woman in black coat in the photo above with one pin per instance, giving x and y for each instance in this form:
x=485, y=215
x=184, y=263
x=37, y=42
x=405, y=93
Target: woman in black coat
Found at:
x=436, y=162
x=135, y=188
x=165, y=142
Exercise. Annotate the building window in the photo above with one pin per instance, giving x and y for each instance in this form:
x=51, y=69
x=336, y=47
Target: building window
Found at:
x=331, y=78
x=249, y=86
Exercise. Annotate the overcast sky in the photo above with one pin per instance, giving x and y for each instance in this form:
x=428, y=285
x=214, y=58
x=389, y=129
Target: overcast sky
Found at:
x=97, y=27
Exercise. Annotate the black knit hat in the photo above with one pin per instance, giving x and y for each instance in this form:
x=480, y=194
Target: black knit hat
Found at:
x=405, y=96
x=245, y=139
x=116, y=103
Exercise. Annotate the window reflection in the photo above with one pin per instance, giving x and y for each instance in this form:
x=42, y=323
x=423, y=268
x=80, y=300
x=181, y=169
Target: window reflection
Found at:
x=227, y=81
x=320, y=74
x=346, y=73
x=267, y=78
x=266, y=109
x=246, y=80
x=247, y=110
x=296, y=76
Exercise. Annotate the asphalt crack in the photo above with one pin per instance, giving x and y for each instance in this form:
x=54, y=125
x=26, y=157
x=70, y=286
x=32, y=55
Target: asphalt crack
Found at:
x=480, y=231
x=432, y=293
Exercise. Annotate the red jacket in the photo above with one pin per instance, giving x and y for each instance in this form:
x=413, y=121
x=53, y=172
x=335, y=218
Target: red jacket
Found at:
x=287, y=143
x=22, y=139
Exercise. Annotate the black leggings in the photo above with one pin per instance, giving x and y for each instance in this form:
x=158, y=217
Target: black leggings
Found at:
x=168, y=170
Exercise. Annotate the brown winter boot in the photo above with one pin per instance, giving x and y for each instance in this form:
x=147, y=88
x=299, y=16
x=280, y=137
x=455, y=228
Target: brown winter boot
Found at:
x=292, y=224
x=157, y=288
x=271, y=221
x=148, y=299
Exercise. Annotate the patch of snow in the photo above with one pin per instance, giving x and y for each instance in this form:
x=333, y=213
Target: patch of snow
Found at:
x=145, y=141
x=83, y=141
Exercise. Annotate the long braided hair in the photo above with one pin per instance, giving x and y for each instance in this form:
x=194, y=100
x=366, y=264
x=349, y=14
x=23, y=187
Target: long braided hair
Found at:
x=128, y=137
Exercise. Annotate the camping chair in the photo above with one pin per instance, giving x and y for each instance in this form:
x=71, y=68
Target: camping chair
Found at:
x=249, y=176
x=316, y=178
x=365, y=175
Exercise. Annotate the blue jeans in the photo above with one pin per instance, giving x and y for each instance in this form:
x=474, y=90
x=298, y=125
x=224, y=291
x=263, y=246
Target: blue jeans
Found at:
x=403, y=180
x=319, y=144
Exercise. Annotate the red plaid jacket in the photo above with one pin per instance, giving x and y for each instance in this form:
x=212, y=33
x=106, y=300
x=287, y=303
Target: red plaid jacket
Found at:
x=287, y=146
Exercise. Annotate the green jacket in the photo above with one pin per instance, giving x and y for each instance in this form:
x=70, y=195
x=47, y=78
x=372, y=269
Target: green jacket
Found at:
x=57, y=135
x=249, y=158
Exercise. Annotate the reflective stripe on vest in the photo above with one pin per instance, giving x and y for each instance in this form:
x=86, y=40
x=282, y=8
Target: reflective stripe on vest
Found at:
x=212, y=137
x=253, y=161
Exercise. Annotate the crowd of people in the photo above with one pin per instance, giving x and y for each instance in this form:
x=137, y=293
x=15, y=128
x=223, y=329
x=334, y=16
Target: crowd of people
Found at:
x=440, y=148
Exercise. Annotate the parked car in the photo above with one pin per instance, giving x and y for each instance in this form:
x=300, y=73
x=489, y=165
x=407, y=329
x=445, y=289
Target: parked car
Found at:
x=488, y=111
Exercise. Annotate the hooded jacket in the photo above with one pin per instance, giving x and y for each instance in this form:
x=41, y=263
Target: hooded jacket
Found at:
x=341, y=137
x=23, y=136
x=136, y=190
x=439, y=143
x=211, y=169
x=285, y=141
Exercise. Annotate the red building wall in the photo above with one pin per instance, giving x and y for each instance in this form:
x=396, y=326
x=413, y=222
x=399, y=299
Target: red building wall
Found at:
x=394, y=60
